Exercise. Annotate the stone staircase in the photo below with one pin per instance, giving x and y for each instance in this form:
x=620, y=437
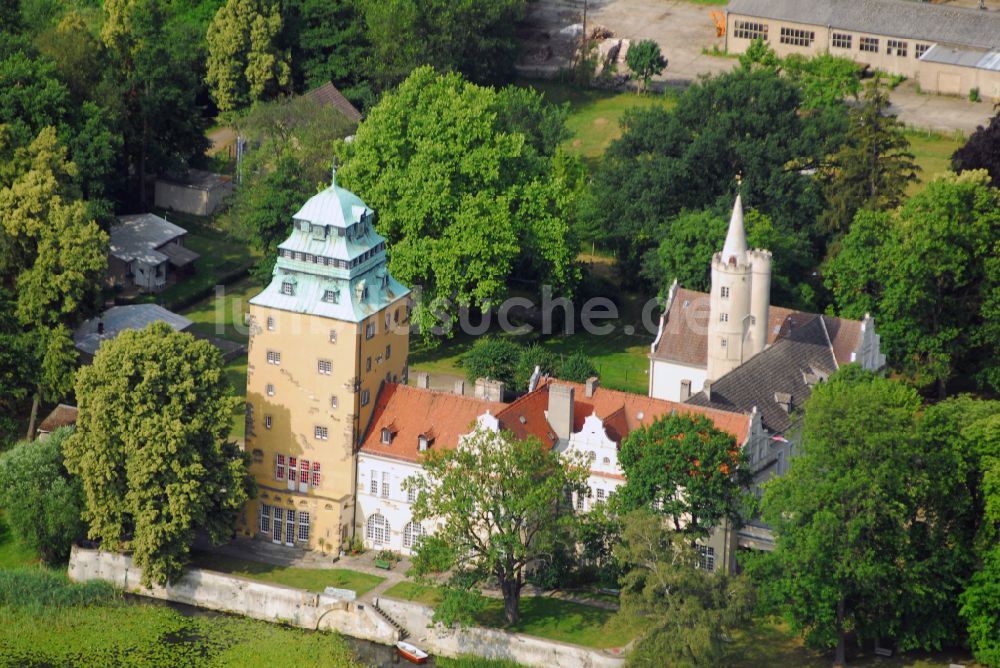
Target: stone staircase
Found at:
x=403, y=633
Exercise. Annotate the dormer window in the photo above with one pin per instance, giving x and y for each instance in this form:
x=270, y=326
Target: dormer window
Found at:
x=319, y=232
x=421, y=443
x=287, y=288
x=386, y=436
x=331, y=296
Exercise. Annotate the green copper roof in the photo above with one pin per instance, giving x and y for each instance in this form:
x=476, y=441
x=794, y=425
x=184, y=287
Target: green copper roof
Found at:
x=334, y=263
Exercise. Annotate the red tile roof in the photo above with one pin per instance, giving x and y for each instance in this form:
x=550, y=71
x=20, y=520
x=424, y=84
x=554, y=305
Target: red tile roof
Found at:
x=410, y=412
x=685, y=333
x=622, y=412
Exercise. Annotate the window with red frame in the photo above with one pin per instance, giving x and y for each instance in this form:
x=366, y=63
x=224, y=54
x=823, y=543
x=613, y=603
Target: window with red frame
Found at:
x=279, y=467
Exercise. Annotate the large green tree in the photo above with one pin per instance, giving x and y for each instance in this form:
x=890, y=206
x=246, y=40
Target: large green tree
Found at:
x=330, y=43
x=497, y=499
x=474, y=37
x=873, y=168
x=928, y=272
x=871, y=526
x=466, y=191
x=153, y=80
x=645, y=61
x=981, y=151
x=41, y=501
x=245, y=63
x=748, y=122
x=685, y=468
x=686, y=613
x=151, y=448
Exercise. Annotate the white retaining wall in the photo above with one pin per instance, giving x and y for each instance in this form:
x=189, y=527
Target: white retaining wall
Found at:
x=492, y=643
x=226, y=593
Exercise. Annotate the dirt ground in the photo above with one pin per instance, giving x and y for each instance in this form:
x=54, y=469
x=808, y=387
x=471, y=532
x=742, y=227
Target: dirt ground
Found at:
x=685, y=31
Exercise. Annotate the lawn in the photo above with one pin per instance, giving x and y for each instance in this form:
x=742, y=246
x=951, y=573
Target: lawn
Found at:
x=594, y=114
x=544, y=617
x=222, y=313
x=236, y=382
x=312, y=579
x=932, y=151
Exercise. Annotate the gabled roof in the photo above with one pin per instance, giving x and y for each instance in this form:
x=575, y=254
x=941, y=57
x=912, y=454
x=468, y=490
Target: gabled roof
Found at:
x=684, y=339
x=896, y=18
x=621, y=412
x=410, y=412
x=138, y=237
x=62, y=415
x=783, y=373
x=328, y=96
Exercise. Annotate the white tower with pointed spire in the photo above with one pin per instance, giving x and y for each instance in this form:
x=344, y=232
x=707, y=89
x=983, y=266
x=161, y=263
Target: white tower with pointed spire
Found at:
x=739, y=302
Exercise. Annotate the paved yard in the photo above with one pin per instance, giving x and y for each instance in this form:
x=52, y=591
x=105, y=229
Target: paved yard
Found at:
x=684, y=30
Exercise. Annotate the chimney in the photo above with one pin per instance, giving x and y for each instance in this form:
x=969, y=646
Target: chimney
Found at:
x=707, y=389
x=592, y=386
x=100, y=327
x=490, y=390
x=460, y=387
x=424, y=380
x=685, y=390
x=560, y=413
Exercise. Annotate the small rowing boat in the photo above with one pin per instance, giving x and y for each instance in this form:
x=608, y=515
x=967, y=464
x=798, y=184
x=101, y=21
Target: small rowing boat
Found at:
x=411, y=653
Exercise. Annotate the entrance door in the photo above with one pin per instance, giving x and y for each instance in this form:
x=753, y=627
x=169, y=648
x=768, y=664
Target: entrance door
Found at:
x=279, y=517
x=290, y=528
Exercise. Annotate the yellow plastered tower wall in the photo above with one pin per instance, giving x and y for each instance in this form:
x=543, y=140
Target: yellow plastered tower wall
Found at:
x=328, y=330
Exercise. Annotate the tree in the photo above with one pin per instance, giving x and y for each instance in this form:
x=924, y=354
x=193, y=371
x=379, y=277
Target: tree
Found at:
x=645, y=61
x=874, y=167
x=869, y=521
x=686, y=612
x=497, y=499
x=577, y=367
x=150, y=448
x=494, y=358
x=332, y=45
x=928, y=273
x=475, y=37
x=244, y=62
x=666, y=162
x=685, y=468
x=981, y=151
x=462, y=198
x=153, y=80
x=41, y=501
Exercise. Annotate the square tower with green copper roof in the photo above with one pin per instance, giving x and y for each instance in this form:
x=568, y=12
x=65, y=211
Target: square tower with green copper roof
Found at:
x=329, y=329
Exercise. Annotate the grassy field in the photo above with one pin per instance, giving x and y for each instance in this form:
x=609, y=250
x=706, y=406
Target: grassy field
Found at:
x=933, y=154
x=550, y=618
x=594, y=114
x=302, y=578
x=222, y=315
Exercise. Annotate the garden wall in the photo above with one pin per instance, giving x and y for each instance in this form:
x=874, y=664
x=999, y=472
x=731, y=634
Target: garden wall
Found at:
x=226, y=593
x=492, y=643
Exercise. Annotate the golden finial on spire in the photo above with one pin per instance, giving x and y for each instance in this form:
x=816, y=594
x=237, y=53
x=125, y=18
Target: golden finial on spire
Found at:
x=739, y=179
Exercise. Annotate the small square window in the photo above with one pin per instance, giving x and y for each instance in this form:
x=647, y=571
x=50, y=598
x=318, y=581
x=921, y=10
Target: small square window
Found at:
x=723, y=317
x=270, y=390
x=273, y=357
x=386, y=436
x=411, y=495
x=725, y=292
x=287, y=288
x=331, y=296
x=325, y=367
x=321, y=433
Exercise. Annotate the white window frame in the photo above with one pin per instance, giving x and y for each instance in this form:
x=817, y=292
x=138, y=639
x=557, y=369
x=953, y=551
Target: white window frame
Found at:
x=385, y=484
x=321, y=433
x=270, y=323
x=373, y=484
x=412, y=533
x=264, y=519
x=274, y=357
x=268, y=422
x=377, y=529
x=324, y=367
x=269, y=389
x=303, y=534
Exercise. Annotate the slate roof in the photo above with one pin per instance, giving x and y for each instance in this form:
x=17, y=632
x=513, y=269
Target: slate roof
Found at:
x=802, y=356
x=894, y=18
x=328, y=96
x=409, y=412
x=62, y=415
x=621, y=412
x=978, y=58
x=138, y=237
x=119, y=318
x=684, y=339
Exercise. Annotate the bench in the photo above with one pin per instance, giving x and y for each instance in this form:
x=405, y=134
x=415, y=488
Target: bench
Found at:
x=383, y=564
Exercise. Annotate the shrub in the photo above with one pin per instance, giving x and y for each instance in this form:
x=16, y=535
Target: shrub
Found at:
x=493, y=358
x=37, y=588
x=42, y=501
x=974, y=95
x=577, y=368
x=532, y=356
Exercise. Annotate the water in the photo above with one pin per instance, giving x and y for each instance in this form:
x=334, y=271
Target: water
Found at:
x=366, y=652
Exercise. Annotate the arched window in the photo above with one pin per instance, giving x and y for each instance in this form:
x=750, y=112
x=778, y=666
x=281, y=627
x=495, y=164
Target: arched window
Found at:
x=412, y=533
x=377, y=529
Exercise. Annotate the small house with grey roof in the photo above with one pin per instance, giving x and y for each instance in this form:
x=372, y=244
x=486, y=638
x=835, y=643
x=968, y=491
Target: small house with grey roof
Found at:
x=144, y=250
x=945, y=49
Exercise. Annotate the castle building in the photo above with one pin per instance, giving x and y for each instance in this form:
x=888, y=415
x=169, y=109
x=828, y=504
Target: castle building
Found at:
x=325, y=334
